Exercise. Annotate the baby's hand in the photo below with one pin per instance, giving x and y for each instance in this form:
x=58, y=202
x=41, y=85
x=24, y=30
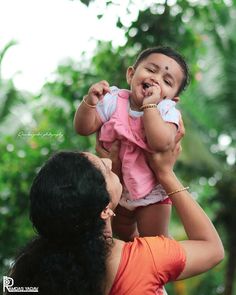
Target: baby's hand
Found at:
x=97, y=91
x=152, y=94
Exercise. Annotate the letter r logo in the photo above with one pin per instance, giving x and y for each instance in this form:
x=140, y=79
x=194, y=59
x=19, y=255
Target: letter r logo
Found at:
x=7, y=282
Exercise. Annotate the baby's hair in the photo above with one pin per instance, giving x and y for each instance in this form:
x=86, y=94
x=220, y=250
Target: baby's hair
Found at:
x=168, y=51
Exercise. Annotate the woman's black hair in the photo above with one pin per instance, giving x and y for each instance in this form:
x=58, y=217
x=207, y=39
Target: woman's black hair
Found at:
x=170, y=52
x=68, y=257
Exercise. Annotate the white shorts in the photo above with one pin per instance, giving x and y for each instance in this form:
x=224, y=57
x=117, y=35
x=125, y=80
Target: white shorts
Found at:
x=158, y=194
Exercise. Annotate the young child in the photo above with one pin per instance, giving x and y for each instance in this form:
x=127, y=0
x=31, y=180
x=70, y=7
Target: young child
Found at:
x=143, y=118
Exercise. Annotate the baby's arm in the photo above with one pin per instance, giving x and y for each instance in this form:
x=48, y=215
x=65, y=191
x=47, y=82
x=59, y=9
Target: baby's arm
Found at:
x=160, y=134
x=87, y=120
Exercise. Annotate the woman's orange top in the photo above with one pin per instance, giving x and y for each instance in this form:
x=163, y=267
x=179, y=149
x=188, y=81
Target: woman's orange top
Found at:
x=147, y=264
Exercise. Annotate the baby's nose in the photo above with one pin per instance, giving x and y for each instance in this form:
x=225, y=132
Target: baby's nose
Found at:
x=155, y=81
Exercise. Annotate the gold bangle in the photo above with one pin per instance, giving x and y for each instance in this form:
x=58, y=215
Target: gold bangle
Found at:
x=178, y=191
x=87, y=104
x=148, y=106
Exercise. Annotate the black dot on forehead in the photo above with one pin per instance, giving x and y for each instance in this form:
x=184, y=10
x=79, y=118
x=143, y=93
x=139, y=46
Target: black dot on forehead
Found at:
x=166, y=68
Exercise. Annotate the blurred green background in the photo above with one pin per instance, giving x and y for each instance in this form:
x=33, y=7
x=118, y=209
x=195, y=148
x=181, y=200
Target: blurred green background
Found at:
x=204, y=32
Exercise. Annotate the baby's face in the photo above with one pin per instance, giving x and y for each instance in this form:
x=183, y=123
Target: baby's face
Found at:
x=157, y=70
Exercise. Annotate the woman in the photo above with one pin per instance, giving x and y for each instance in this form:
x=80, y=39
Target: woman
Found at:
x=71, y=202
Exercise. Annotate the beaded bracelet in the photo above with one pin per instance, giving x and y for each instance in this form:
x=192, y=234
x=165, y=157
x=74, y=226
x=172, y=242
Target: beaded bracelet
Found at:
x=178, y=191
x=88, y=105
x=148, y=106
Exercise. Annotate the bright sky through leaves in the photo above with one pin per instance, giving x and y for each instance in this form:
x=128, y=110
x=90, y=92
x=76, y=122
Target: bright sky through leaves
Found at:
x=47, y=32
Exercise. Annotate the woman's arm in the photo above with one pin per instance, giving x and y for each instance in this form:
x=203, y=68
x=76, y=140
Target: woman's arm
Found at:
x=87, y=120
x=204, y=248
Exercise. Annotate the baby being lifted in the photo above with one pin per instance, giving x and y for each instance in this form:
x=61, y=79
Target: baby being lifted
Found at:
x=144, y=119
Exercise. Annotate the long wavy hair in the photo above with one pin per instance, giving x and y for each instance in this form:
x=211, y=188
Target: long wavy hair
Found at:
x=68, y=256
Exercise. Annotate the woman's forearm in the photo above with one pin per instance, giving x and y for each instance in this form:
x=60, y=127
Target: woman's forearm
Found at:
x=204, y=248
x=196, y=223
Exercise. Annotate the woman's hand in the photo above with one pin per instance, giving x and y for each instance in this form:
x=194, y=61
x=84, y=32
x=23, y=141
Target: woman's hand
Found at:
x=163, y=162
x=113, y=154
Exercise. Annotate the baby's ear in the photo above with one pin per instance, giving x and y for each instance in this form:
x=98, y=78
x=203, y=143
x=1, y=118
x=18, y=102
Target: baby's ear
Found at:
x=176, y=99
x=129, y=74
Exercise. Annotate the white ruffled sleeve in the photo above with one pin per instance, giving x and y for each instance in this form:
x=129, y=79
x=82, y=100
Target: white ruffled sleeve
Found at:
x=168, y=111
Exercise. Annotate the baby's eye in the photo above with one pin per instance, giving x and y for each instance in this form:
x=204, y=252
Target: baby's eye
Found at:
x=150, y=70
x=168, y=82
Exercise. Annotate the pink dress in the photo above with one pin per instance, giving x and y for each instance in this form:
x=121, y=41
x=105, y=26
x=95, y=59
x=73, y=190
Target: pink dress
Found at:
x=138, y=178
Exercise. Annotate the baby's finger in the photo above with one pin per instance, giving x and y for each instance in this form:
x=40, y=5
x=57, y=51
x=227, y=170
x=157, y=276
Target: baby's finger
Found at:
x=97, y=90
x=106, y=86
x=156, y=90
x=105, y=83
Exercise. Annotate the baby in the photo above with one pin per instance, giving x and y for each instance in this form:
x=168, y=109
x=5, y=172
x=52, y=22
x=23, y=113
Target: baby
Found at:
x=144, y=119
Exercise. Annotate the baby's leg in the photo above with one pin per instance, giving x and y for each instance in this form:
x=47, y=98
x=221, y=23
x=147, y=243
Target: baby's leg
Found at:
x=124, y=224
x=153, y=219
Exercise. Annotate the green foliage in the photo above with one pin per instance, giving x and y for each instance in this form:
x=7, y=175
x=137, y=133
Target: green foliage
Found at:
x=110, y=64
x=32, y=128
